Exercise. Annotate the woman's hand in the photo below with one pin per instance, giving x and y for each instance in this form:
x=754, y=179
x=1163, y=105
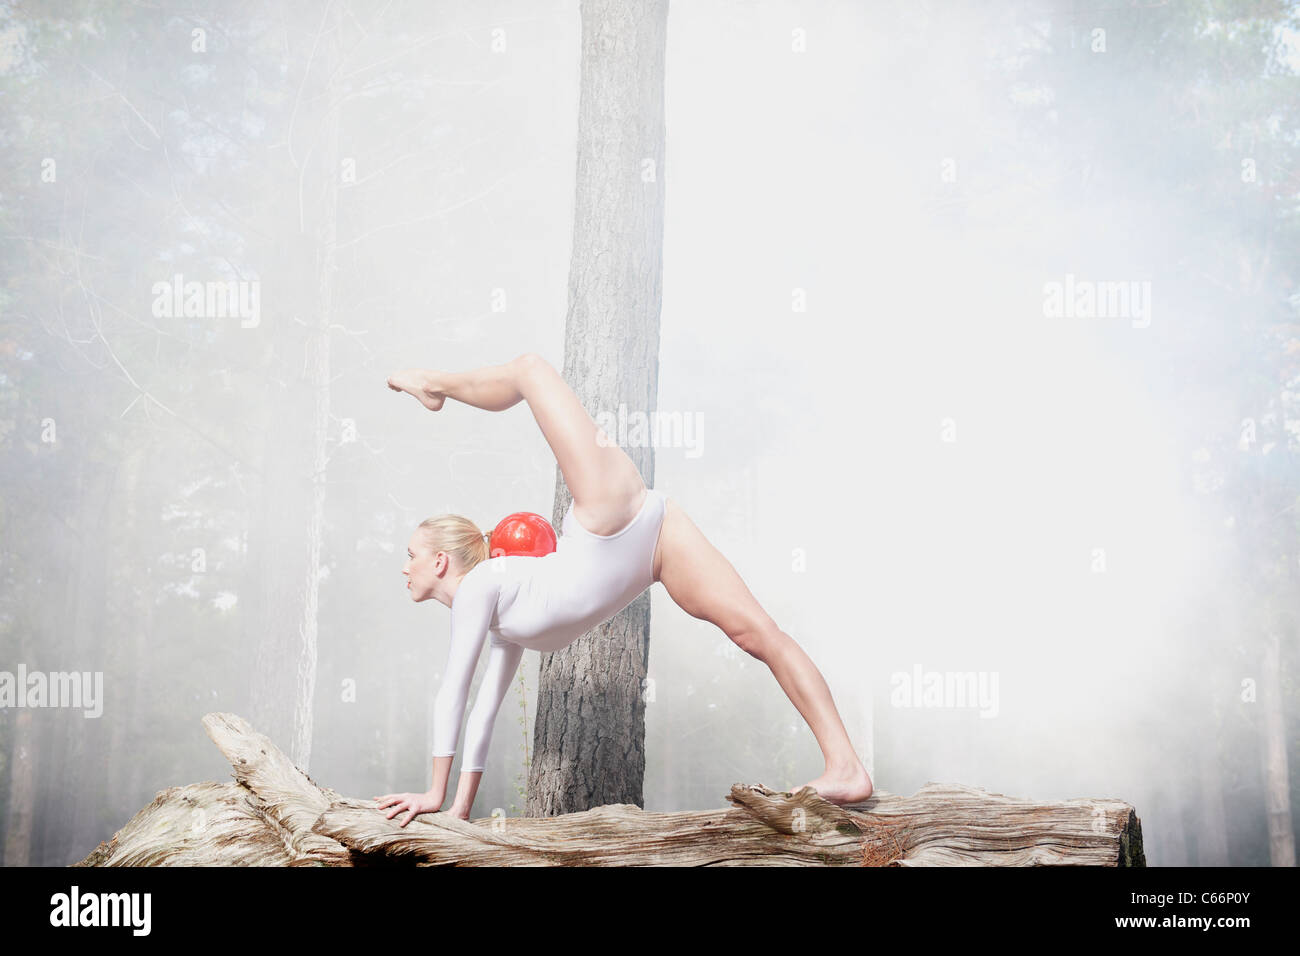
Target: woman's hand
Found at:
x=413, y=803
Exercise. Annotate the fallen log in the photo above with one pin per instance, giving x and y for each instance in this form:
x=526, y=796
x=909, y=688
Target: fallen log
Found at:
x=276, y=815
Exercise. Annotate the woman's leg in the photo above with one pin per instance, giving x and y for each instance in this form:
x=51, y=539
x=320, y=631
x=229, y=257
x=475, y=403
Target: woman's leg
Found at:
x=607, y=489
x=493, y=387
x=705, y=585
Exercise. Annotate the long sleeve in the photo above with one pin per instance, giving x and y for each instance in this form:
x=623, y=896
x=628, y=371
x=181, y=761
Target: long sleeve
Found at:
x=503, y=662
x=471, y=616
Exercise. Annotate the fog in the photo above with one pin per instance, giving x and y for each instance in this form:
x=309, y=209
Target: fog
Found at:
x=978, y=325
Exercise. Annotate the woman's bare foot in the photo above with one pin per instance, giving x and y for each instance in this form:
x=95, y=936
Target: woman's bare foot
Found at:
x=842, y=787
x=418, y=382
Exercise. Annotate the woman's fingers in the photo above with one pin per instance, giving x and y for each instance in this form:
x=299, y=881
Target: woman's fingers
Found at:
x=408, y=803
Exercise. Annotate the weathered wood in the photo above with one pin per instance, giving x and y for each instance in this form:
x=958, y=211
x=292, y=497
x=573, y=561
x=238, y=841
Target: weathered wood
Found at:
x=263, y=819
x=202, y=824
x=289, y=800
x=276, y=815
x=955, y=825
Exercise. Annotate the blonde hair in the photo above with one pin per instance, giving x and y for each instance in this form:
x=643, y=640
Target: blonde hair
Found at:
x=459, y=537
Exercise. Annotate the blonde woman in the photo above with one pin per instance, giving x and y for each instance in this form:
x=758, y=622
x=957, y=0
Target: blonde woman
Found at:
x=617, y=539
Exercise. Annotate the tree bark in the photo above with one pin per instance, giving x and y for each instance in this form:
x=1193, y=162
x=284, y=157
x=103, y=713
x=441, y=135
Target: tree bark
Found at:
x=589, y=738
x=275, y=815
x=81, y=763
x=21, y=802
x=293, y=492
x=1212, y=826
x=1277, y=787
x=26, y=519
x=1171, y=829
x=135, y=626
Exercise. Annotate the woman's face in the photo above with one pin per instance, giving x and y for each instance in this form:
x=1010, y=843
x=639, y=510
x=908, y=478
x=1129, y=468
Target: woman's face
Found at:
x=419, y=570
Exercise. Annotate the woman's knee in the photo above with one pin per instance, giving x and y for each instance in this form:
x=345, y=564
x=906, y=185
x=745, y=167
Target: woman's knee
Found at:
x=759, y=638
x=529, y=363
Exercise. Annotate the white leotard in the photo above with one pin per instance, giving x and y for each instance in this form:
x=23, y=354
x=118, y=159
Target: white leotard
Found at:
x=541, y=603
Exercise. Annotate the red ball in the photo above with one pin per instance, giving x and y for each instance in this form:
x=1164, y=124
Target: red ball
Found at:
x=522, y=533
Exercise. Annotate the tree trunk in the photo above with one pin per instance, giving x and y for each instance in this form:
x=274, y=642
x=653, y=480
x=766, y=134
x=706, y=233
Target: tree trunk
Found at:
x=1171, y=829
x=275, y=815
x=589, y=739
x=293, y=492
x=26, y=520
x=1212, y=834
x=82, y=758
x=1277, y=787
x=44, y=623
x=1212, y=826
x=21, y=802
x=134, y=627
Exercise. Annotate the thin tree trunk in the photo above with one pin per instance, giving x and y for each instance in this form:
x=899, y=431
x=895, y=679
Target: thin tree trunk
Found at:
x=589, y=740
x=394, y=730
x=668, y=765
x=24, y=522
x=83, y=757
x=319, y=378
x=284, y=681
x=22, y=791
x=50, y=624
x=1212, y=834
x=1212, y=827
x=135, y=591
x=1277, y=786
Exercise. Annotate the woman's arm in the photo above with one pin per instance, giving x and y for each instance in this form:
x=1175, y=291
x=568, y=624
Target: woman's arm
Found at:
x=471, y=615
x=465, y=791
x=503, y=662
x=441, y=773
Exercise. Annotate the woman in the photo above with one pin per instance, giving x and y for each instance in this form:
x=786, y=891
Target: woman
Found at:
x=617, y=538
